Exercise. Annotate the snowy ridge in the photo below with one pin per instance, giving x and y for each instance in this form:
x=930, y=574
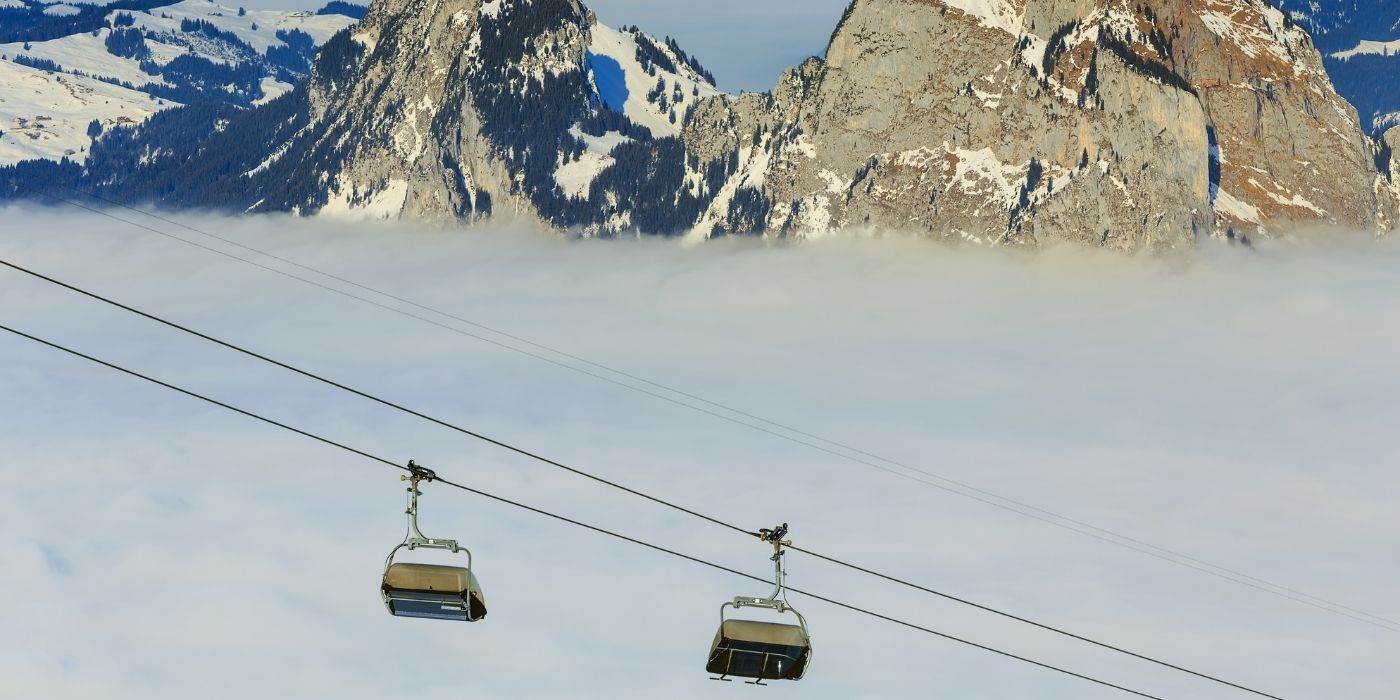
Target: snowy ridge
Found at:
x=46, y=115
x=649, y=96
x=1367, y=47
x=683, y=88
x=88, y=54
x=256, y=28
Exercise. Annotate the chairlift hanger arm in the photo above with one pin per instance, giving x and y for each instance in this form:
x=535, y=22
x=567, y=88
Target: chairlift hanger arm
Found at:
x=777, y=600
x=415, y=539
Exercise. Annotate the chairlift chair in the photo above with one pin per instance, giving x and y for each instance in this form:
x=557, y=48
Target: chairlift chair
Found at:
x=429, y=590
x=762, y=650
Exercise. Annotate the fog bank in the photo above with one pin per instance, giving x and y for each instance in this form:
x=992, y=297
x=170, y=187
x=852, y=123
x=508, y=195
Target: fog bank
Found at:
x=1238, y=406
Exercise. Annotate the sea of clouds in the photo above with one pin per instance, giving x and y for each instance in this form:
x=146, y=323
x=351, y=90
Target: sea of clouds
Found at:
x=1236, y=405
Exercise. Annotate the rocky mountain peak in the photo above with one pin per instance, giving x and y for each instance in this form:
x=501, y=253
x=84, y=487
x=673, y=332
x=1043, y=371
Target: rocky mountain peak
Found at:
x=1108, y=122
x=460, y=109
x=1001, y=122
x=427, y=121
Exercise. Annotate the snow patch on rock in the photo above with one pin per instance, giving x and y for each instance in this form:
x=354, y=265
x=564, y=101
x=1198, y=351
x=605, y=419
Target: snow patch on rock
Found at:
x=574, y=177
x=272, y=89
x=981, y=172
x=1228, y=204
x=383, y=204
x=996, y=14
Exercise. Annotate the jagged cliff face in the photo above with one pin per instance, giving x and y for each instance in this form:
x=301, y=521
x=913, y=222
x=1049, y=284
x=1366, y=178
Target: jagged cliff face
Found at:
x=422, y=126
x=463, y=109
x=926, y=117
x=1292, y=151
x=1003, y=121
x=1389, y=185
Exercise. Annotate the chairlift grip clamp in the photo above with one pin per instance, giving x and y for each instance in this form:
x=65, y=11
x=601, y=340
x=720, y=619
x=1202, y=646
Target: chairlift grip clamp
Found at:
x=415, y=537
x=774, y=535
x=418, y=473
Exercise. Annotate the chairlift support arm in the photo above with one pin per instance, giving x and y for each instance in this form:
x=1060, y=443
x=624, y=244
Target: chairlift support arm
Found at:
x=777, y=600
x=415, y=539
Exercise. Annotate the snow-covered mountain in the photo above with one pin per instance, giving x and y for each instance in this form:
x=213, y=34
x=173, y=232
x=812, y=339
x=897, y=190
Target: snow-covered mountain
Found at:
x=996, y=121
x=446, y=109
x=72, y=71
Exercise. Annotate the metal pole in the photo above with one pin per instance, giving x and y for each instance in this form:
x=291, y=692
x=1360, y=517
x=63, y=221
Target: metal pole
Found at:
x=777, y=569
x=413, y=530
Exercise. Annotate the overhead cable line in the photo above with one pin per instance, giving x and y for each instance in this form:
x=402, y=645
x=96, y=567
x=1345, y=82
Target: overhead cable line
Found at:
x=851, y=454
x=579, y=472
x=365, y=395
x=571, y=521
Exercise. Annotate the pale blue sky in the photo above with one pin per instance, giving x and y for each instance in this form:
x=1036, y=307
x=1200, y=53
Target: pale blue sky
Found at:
x=746, y=44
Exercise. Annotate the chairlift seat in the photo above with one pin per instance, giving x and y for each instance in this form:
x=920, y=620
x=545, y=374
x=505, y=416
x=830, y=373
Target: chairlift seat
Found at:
x=760, y=650
x=433, y=591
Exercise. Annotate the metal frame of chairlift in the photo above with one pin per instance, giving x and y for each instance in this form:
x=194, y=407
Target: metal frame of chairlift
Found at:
x=415, y=539
x=770, y=649
x=777, y=601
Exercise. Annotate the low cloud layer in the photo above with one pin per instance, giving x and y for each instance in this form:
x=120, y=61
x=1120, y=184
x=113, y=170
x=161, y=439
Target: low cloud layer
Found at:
x=1237, y=407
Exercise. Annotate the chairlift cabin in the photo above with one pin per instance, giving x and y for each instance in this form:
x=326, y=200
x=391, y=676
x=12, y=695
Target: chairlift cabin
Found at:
x=429, y=591
x=762, y=650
